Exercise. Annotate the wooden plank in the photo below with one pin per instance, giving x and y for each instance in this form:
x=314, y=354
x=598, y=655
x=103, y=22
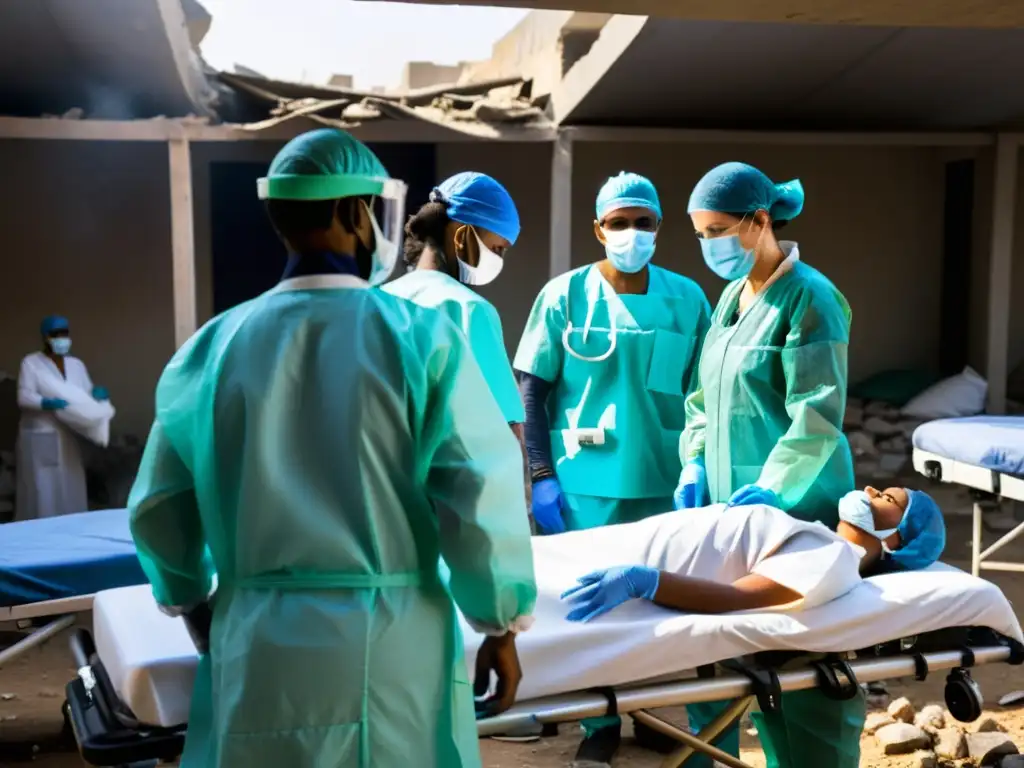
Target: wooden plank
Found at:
x=182, y=240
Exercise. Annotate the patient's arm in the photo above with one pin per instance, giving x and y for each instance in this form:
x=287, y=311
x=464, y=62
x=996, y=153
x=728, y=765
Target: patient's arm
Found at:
x=690, y=595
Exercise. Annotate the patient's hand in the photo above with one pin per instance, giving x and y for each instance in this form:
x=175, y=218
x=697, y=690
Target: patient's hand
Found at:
x=600, y=591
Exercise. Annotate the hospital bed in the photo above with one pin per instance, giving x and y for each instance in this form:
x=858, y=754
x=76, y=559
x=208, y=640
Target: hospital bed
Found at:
x=130, y=700
x=986, y=454
x=51, y=568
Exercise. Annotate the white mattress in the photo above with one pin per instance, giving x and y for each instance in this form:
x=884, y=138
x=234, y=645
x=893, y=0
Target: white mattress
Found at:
x=151, y=660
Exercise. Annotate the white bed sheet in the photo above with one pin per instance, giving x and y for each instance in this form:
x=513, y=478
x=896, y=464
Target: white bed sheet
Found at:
x=151, y=660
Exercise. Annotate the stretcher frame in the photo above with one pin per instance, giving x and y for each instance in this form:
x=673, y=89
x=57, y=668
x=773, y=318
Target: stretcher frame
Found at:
x=985, y=485
x=60, y=615
x=92, y=705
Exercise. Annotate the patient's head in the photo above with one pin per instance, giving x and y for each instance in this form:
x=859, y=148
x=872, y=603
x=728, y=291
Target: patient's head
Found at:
x=907, y=524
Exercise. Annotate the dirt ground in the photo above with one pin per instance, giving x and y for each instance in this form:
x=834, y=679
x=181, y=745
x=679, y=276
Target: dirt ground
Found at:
x=31, y=692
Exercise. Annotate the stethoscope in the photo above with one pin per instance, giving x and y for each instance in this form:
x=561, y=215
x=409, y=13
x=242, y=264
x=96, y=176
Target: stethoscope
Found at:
x=591, y=305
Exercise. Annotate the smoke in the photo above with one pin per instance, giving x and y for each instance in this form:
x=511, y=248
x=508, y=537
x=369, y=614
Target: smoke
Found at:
x=106, y=103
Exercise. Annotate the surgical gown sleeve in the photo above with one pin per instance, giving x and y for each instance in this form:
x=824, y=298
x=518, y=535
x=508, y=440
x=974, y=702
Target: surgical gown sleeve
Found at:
x=488, y=344
x=475, y=482
x=165, y=523
x=691, y=379
x=814, y=363
x=540, y=348
x=29, y=397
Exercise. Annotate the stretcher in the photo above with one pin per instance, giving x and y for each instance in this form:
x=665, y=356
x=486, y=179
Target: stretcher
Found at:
x=51, y=568
x=985, y=454
x=131, y=698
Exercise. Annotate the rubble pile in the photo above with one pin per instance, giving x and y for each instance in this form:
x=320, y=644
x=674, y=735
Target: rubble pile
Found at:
x=880, y=438
x=938, y=741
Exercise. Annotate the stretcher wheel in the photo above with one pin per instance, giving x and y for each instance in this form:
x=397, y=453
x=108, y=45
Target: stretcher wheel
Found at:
x=963, y=696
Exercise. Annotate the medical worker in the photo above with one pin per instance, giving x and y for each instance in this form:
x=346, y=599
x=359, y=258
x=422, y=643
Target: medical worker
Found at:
x=319, y=448
x=455, y=242
x=765, y=426
x=51, y=473
x=607, y=358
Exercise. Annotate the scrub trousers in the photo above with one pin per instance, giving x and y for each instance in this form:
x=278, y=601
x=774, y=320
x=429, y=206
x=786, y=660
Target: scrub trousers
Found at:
x=585, y=512
x=811, y=731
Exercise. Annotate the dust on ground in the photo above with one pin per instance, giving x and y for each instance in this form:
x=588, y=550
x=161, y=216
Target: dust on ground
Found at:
x=32, y=690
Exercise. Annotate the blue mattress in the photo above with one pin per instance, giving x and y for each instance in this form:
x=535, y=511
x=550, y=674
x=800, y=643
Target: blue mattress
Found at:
x=66, y=556
x=992, y=442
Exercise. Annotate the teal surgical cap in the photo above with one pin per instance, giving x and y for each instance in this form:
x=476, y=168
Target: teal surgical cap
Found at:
x=479, y=201
x=922, y=533
x=325, y=164
x=627, y=190
x=741, y=188
x=52, y=324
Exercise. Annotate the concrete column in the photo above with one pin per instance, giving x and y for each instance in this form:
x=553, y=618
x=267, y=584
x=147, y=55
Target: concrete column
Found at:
x=182, y=240
x=1004, y=205
x=561, y=204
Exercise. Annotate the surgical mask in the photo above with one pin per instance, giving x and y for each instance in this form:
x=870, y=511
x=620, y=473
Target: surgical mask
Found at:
x=855, y=509
x=486, y=271
x=726, y=257
x=629, y=250
x=60, y=345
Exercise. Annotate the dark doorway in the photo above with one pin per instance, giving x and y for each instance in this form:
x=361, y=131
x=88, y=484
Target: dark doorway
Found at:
x=956, y=267
x=247, y=257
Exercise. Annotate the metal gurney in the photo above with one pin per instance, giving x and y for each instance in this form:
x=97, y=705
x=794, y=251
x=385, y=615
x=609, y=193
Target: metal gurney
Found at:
x=984, y=453
x=131, y=698
x=51, y=568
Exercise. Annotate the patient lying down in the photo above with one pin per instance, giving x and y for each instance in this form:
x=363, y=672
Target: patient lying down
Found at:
x=716, y=560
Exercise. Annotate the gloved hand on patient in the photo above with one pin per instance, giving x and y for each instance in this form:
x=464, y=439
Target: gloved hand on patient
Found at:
x=547, y=506
x=600, y=591
x=896, y=528
x=693, y=486
x=754, y=494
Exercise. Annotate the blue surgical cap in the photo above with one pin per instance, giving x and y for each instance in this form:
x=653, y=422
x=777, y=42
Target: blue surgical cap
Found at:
x=479, y=201
x=627, y=190
x=741, y=188
x=922, y=532
x=52, y=324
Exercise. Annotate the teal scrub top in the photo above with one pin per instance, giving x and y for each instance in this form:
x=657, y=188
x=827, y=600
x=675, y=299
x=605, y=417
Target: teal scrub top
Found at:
x=478, y=320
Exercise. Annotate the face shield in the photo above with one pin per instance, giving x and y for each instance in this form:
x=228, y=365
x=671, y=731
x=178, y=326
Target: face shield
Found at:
x=386, y=205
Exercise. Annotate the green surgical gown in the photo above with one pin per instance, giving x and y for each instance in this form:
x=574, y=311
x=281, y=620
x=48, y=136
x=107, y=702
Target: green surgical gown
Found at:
x=642, y=355
x=478, y=320
x=772, y=396
x=319, y=449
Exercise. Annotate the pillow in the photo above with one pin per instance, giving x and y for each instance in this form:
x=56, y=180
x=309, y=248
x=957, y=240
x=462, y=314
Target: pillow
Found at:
x=960, y=395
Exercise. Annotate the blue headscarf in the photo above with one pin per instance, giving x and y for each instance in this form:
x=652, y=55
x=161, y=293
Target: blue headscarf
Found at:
x=741, y=188
x=478, y=200
x=627, y=190
x=922, y=532
x=53, y=323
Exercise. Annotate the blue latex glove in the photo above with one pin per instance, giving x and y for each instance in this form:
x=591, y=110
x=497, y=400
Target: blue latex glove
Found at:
x=547, y=505
x=754, y=494
x=54, y=404
x=600, y=591
x=100, y=393
x=693, y=486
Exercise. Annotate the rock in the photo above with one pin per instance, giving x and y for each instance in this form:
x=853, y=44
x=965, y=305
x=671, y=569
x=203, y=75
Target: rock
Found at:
x=985, y=748
x=989, y=725
x=891, y=464
x=861, y=443
x=877, y=720
x=881, y=428
x=1012, y=699
x=8, y=696
x=902, y=710
x=925, y=759
x=853, y=417
x=931, y=718
x=950, y=744
x=896, y=444
x=1011, y=761
x=902, y=739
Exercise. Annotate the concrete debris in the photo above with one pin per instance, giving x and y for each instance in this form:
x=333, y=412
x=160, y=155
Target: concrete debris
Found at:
x=877, y=720
x=950, y=744
x=986, y=748
x=924, y=759
x=1014, y=699
x=988, y=725
x=902, y=739
x=931, y=718
x=902, y=710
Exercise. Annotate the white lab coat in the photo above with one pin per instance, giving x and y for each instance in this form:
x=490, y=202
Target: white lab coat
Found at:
x=51, y=474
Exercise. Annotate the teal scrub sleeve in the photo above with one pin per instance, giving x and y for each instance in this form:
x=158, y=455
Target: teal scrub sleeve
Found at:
x=165, y=523
x=691, y=379
x=814, y=362
x=475, y=482
x=540, y=351
x=691, y=441
x=488, y=344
